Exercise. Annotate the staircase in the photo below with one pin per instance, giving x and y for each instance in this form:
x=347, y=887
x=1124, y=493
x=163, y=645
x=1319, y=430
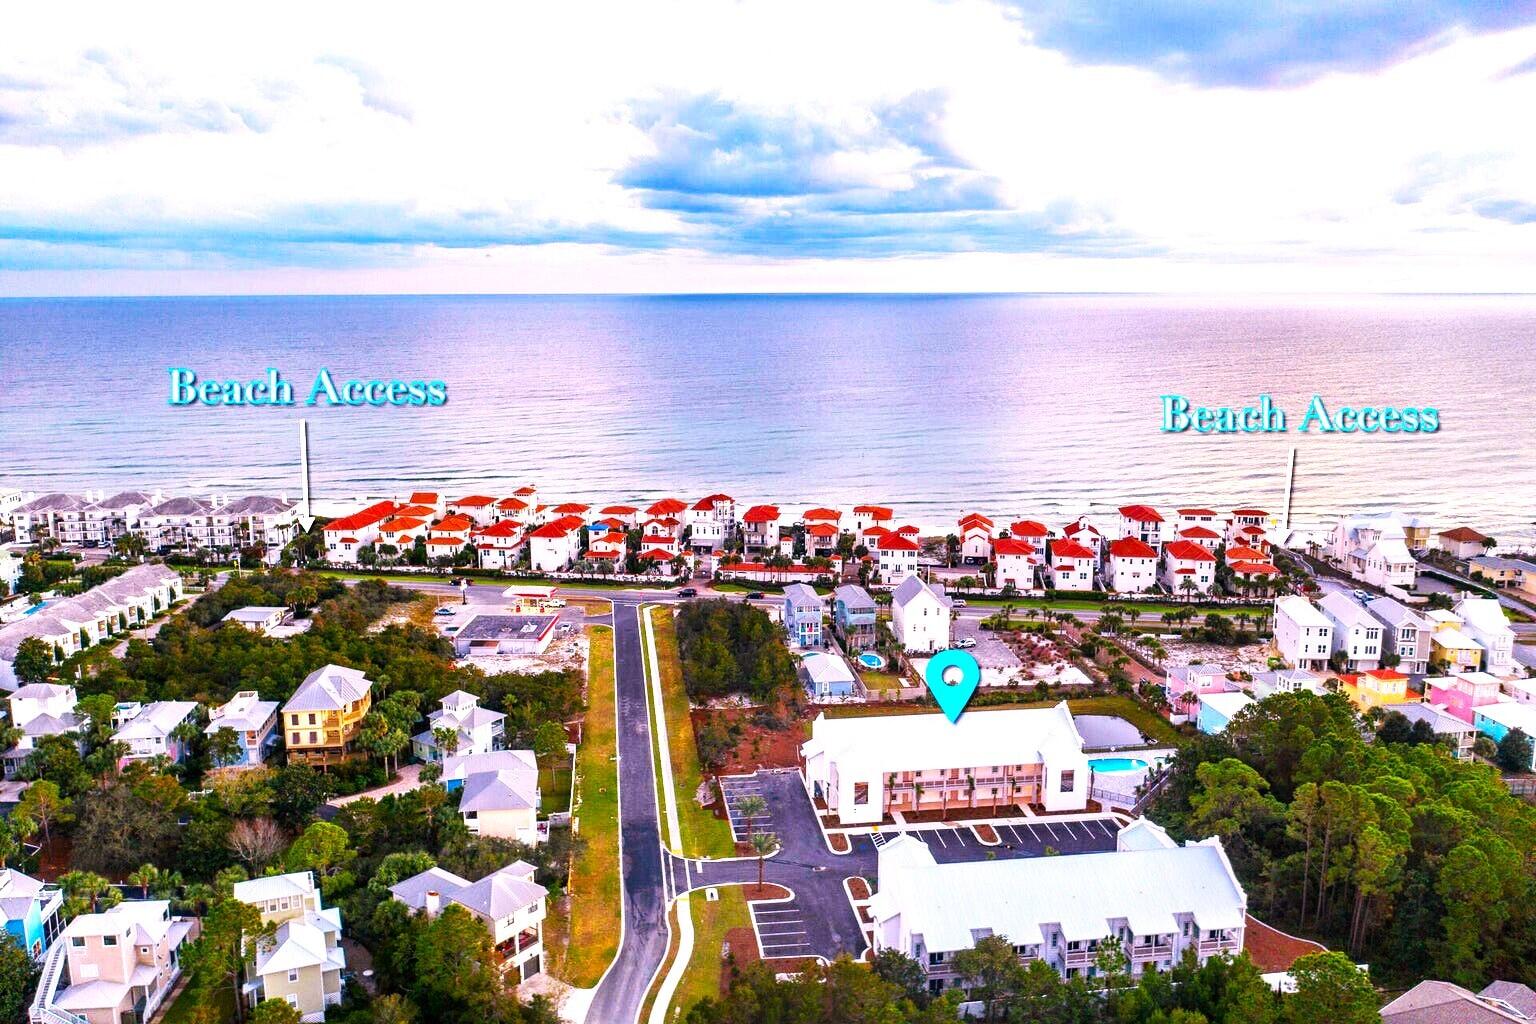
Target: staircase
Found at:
x=42, y=1010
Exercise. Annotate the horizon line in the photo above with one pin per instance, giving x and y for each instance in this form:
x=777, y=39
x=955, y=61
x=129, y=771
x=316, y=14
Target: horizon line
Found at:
x=1092, y=293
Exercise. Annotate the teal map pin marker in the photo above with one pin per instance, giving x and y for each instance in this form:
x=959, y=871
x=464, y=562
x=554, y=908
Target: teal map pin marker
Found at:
x=952, y=696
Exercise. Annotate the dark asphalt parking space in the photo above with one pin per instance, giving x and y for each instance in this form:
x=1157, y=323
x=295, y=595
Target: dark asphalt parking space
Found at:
x=737, y=790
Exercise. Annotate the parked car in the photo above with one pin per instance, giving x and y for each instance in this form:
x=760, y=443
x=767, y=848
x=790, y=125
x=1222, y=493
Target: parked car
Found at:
x=965, y=643
x=756, y=595
x=555, y=602
x=957, y=602
x=443, y=611
x=1361, y=595
x=688, y=592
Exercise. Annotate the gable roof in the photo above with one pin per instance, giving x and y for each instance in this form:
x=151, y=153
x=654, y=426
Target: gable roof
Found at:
x=1463, y=535
x=896, y=542
x=912, y=588
x=1141, y=513
x=1130, y=547
x=1069, y=549
x=1188, y=551
x=1012, y=546
x=329, y=688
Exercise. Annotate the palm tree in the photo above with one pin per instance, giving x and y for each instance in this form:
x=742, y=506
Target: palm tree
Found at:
x=750, y=807
x=144, y=877
x=763, y=844
x=1189, y=587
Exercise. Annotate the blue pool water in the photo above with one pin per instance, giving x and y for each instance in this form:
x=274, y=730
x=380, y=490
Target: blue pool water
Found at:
x=1117, y=764
x=873, y=661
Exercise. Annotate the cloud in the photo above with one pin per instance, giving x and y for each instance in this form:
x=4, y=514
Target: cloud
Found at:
x=1525, y=67
x=377, y=93
x=1508, y=210
x=877, y=180
x=1258, y=43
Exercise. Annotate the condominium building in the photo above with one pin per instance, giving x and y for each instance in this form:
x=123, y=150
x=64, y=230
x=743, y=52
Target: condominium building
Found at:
x=1406, y=634
x=321, y=719
x=302, y=962
x=1157, y=898
x=865, y=769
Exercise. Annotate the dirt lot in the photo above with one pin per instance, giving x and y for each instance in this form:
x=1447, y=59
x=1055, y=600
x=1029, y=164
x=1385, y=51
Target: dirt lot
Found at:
x=1273, y=951
x=759, y=746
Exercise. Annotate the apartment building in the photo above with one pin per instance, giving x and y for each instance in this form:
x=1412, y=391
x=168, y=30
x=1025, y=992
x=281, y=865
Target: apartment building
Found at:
x=1061, y=909
x=1072, y=565
x=867, y=768
x=508, y=901
x=895, y=556
x=321, y=719
x=1143, y=522
x=1188, y=568
x=975, y=537
x=1303, y=635
x=1132, y=566
x=346, y=536
x=302, y=963
x=711, y=522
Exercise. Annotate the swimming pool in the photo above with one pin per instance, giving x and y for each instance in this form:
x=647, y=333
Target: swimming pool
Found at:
x=1109, y=765
x=871, y=661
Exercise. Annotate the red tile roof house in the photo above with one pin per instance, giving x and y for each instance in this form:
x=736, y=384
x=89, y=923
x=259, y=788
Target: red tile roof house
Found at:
x=760, y=527
x=1143, y=522
x=821, y=538
x=1016, y=561
x=555, y=545
x=479, y=507
x=500, y=544
x=344, y=537
x=456, y=527
x=400, y=532
x=1036, y=534
x=710, y=522
x=1071, y=565
x=760, y=572
x=1188, y=569
x=1202, y=535
x=1086, y=534
x=513, y=508
x=666, y=507
x=865, y=516
x=629, y=514
x=1248, y=527
x=896, y=557
x=975, y=537
x=1132, y=566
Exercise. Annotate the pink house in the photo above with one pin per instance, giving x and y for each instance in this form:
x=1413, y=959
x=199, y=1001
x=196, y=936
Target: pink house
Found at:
x=1460, y=694
x=1185, y=684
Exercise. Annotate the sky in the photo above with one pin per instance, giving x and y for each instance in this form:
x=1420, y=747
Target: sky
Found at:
x=734, y=145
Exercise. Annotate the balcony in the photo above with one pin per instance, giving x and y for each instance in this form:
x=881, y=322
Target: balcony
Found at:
x=1079, y=957
x=522, y=942
x=1211, y=947
x=1151, y=951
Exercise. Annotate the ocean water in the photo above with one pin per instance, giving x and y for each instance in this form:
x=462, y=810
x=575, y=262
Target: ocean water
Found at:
x=1045, y=406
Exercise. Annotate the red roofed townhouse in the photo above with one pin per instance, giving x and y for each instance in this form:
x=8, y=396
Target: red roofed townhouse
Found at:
x=1071, y=565
x=667, y=525
x=457, y=527
x=1202, y=535
x=1462, y=542
x=665, y=507
x=603, y=537
x=1086, y=534
x=667, y=542
x=1199, y=517
x=555, y=545
x=871, y=537
x=401, y=532
x=1260, y=572
x=1249, y=526
x=1033, y=533
x=443, y=547
x=1016, y=561
x=431, y=499
x=513, y=508
x=896, y=557
x=628, y=514
x=527, y=492
x=344, y=537
x=1240, y=553
x=500, y=544
x=822, y=515
x=660, y=559
x=760, y=527
x=821, y=538
x=479, y=507
x=1188, y=568
x=761, y=572
x=570, y=508
x=975, y=537
x=710, y=521
x=1132, y=566
x=865, y=516
x=1143, y=522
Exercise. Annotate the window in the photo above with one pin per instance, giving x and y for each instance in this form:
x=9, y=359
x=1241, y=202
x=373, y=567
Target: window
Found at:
x=934, y=959
x=293, y=974
x=78, y=941
x=109, y=940
x=861, y=792
x=1068, y=781
x=311, y=719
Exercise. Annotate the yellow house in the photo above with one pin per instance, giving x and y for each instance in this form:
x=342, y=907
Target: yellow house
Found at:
x=321, y=719
x=1451, y=650
x=1377, y=688
x=301, y=964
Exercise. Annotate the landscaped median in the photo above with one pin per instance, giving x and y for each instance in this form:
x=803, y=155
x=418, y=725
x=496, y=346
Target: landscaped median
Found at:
x=703, y=834
x=590, y=924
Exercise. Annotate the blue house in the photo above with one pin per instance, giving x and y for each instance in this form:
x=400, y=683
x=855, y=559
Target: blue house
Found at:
x=853, y=612
x=31, y=910
x=826, y=675
x=1218, y=709
x=1499, y=720
x=802, y=615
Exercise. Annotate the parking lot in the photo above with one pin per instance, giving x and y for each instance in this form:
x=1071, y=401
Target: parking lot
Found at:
x=953, y=844
x=781, y=929
x=737, y=790
x=990, y=651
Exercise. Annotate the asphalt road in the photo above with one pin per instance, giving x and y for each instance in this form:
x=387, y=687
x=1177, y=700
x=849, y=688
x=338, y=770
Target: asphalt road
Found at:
x=622, y=989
